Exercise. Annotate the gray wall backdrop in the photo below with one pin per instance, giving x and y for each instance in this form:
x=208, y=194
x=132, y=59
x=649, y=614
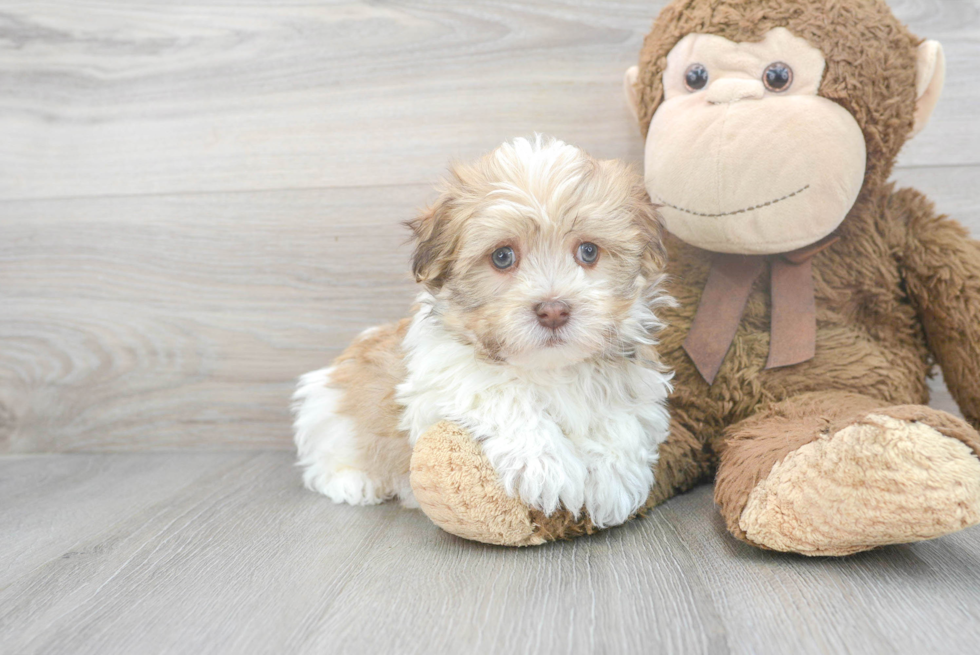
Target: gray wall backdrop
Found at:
x=200, y=201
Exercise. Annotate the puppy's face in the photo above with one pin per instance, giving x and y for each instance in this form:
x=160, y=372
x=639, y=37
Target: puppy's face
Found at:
x=540, y=256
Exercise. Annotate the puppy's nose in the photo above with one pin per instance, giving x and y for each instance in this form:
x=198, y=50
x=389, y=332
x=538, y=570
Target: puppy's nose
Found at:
x=552, y=314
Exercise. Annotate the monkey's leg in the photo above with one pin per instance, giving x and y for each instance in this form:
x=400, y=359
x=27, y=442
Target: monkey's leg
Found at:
x=833, y=473
x=459, y=490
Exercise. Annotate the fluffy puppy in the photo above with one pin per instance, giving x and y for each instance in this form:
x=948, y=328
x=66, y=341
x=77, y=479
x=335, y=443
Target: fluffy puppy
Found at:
x=535, y=331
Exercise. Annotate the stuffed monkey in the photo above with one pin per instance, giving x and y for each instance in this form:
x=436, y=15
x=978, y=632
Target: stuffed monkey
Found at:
x=814, y=297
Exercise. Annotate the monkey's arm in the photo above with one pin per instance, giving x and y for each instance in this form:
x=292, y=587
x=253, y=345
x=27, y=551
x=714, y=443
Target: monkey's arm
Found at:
x=941, y=267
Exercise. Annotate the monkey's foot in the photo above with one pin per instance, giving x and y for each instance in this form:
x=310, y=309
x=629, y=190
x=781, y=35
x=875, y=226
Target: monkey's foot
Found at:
x=894, y=475
x=458, y=489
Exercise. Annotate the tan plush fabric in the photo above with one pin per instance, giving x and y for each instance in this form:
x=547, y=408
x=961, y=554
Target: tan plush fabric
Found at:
x=797, y=433
x=457, y=488
x=880, y=481
x=752, y=447
x=733, y=177
x=930, y=75
x=870, y=57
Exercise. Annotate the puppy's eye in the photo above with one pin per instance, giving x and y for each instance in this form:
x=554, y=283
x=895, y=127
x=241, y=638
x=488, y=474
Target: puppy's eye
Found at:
x=695, y=77
x=588, y=253
x=503, y=258
x=777, y=77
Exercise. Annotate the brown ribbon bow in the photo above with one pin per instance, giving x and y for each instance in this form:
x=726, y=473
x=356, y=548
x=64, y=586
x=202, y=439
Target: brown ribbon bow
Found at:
x=793, y=322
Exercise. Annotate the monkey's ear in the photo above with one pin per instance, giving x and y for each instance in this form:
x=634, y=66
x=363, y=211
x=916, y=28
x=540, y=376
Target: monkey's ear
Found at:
x=930, y=73
x=433, y=243
x=629, y=87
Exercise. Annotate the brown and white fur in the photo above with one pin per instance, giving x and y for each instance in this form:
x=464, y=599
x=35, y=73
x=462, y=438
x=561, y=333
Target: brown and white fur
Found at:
x=548, y=362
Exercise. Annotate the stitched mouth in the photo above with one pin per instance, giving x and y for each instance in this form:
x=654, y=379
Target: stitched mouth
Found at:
x=737, y=211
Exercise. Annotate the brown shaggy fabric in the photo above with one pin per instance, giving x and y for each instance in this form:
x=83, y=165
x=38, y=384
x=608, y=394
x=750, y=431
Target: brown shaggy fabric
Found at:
x=898, y=293
x=560, y=525
x=869, y=338
x=941, y=271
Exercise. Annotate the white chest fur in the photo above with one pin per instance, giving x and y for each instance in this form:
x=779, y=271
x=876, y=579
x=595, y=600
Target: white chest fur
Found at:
x=583, y=435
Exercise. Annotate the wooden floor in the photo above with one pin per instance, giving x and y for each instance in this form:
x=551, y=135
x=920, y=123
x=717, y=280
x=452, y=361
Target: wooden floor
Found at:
x=226, y=553
x=201, y=200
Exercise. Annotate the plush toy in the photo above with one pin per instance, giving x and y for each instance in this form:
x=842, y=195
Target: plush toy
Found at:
x=814, y=297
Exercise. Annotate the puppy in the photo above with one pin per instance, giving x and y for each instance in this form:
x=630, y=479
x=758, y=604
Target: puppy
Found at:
x=534, y=331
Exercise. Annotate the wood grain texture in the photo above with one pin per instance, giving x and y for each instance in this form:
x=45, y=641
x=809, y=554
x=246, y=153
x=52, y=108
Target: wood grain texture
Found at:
x=183, y=321
x=232, y=556
x=201, y=200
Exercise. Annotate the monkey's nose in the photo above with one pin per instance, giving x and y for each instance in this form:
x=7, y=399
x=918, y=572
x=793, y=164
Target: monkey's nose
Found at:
x=730, y=89
x=552, y=314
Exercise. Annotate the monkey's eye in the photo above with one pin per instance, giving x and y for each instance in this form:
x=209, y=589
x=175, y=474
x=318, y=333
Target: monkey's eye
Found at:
x=695, y=77
x=588, y=253
x=503, y=258
x=777, y=77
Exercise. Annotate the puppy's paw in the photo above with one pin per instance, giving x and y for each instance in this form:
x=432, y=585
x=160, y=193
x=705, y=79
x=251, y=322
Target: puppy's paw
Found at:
x=615, y=489
x=347, y=485
x=540, y=474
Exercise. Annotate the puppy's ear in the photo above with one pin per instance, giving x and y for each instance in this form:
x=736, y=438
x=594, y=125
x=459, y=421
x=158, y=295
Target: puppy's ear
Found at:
x=434, y=243
x=651, y=226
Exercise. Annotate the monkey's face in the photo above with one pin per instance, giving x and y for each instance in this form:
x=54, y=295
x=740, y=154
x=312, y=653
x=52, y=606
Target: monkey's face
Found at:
x=742, y=154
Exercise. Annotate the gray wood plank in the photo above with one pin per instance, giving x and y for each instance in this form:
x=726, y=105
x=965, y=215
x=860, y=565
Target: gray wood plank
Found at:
x=39, y=526
x=241, y=559
x=161, y=97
